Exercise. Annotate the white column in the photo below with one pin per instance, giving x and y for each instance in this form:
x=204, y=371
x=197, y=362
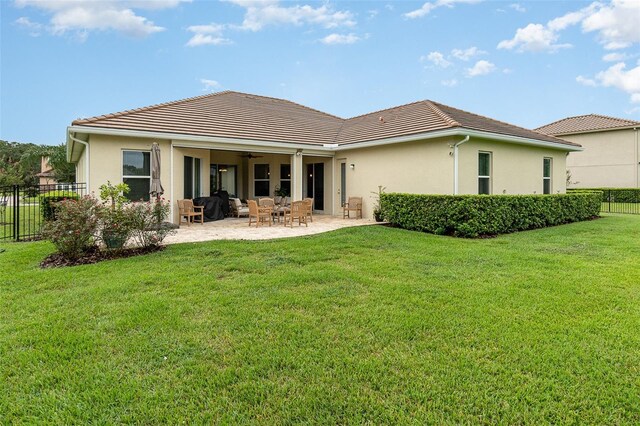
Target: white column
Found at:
x=296, y=176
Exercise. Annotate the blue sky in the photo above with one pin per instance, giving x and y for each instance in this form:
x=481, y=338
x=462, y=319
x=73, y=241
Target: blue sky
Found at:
x=527, y=63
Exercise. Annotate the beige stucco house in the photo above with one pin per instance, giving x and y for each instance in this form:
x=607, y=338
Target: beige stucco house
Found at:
x=250, y=145
x=611, y=157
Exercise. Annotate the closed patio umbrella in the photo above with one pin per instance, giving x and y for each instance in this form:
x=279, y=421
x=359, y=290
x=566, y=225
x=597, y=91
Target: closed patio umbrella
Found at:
x=156, y=187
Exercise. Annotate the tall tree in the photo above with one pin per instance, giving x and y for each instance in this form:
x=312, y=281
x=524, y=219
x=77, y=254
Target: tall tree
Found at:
x=62, y=170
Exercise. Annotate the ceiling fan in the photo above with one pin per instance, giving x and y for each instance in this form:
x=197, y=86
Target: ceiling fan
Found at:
x=250, y=155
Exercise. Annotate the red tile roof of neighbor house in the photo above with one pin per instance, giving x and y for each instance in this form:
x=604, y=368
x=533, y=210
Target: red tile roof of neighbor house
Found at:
x=586, y=123
x=245, y=116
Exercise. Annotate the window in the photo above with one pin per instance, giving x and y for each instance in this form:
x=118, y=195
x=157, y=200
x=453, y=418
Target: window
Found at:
x=546, y=175
x=192, y=185
x=285, y=178
x=484, y=173
x=261, y=180
x=136, y=172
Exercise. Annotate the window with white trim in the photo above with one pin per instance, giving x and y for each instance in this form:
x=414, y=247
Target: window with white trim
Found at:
x=285, y=178
x=484, y=173
x=136, y=172
x=547, y=166
x=261, y=175
x=192, y=178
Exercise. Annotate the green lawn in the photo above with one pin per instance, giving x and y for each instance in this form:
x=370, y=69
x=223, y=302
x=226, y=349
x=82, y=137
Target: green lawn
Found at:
x=30, y=221
x=363, y=325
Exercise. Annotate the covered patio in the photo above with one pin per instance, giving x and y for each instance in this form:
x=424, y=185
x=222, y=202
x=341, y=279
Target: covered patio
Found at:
x=237, y=229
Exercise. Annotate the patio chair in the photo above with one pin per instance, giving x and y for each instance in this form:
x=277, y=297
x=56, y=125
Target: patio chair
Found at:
x=237, y=208
x=259, y=213
x=189, y=211
x=271, y=203
x=353, y=205
x=309, y=202
x=298, y=211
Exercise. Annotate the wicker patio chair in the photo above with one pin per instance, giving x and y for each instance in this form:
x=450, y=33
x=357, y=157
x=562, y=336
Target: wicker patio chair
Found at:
x=188, y=211
x=238, y=208
x=259, y=213
x=353, y=205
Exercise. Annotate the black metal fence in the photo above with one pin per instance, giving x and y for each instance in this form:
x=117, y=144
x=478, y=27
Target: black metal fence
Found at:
x=626, y=201
x=21, y=212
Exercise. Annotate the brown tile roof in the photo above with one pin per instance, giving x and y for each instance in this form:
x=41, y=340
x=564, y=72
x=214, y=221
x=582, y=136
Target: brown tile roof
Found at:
x=244, y=116
x=585, y=123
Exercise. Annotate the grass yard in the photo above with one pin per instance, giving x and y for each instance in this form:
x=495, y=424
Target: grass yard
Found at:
x=363, y=325
x=30, y=221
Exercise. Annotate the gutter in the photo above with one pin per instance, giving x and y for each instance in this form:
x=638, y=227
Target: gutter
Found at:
x=455, y=164
x=635, y=130
x=328, y=147
x=87, y=158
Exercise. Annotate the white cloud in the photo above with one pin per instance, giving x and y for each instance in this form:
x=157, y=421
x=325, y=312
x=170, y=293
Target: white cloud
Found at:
x=517, y=7
x=340, y=39
x=481, y=68
x=533, y=38
x=209, y=85
x=466, y=54
x=429, y=6
x=586, y=81
x=627, y=81
x=614, y=57
x=34, y=28
x=259, y=14
x=207, y=35
x=617, y=76
x=616, y=23
x=449, y=83
x=436, y=58
x=84, y=16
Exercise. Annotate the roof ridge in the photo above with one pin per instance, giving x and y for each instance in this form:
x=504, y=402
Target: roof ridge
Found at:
x=384, y=109
x=145, y=108
x=284, y=100
x=508, y=124
x=446, y=117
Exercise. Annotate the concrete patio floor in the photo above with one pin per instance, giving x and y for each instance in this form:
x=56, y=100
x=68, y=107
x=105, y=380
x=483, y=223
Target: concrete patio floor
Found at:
x=232, y=228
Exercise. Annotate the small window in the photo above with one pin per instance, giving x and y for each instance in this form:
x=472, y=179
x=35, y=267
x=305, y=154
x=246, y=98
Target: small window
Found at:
x=261, y=176
x=484, y=173
x=546, y=175
x=285, y=178
x=136, y=172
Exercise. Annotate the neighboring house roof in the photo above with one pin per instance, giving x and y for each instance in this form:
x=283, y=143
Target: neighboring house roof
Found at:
x=245, y=116
x=586, y=123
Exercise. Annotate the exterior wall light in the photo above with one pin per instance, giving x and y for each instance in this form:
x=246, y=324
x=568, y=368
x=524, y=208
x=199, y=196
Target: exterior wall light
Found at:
x=352, y=166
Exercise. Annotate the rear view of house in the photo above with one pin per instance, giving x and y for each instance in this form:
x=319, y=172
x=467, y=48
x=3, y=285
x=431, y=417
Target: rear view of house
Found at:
x=611, y=157
x=252, y=146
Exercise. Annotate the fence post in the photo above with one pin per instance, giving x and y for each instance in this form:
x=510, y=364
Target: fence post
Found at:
x=16, y=212
x=609, y=198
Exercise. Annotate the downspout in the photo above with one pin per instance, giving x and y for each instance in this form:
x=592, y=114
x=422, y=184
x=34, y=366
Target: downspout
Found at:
x=455, y=164
x=88, y=159
x=171, y=199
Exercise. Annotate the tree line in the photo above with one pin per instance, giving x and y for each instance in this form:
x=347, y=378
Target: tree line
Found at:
x=20, y=163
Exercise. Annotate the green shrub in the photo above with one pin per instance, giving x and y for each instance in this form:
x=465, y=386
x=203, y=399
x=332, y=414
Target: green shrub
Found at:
x=148, y=228
x=614, y=195
x=477, y=215
x=74, y=228
x=48, y=202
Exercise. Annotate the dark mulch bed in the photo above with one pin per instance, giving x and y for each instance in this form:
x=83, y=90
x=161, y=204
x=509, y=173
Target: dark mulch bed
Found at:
x=95, y=255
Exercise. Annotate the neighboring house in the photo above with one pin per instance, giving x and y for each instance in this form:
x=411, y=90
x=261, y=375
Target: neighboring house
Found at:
x=46, y=176
x=249, y=145
x=611, y=158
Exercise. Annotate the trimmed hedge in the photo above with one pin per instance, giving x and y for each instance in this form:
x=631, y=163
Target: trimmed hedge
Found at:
x=49, y=199
x=478, y=215
x=614, y=195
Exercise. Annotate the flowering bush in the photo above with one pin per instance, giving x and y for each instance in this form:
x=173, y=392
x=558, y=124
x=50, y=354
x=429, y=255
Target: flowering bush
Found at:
x=148, y=222
x=74, y=228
